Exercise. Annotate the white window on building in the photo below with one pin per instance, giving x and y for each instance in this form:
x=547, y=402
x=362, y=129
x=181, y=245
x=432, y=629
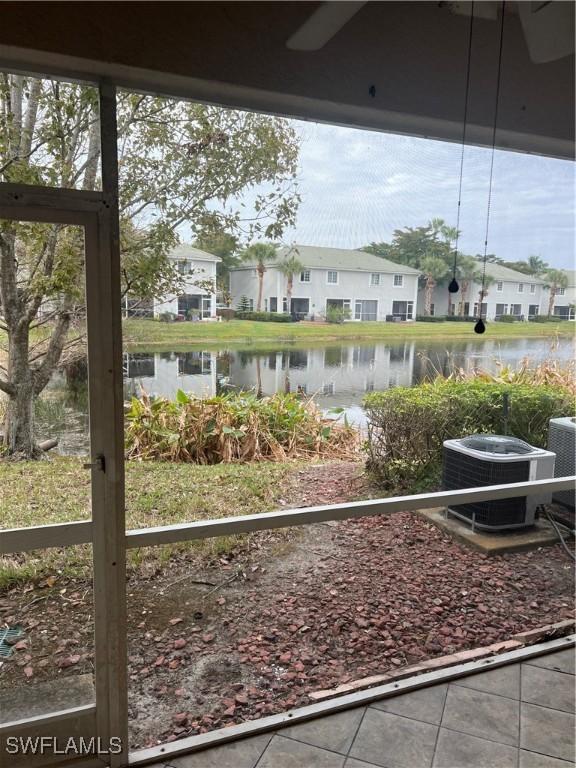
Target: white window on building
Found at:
x=533, y=310
x=332, y=277
x=184, y=267
x=516, y=310
x=305, y=276
x=328, y=389
x=520, y=287
x=265, y=305
x=398, y=281
x=284, y=305
x=499, y=286
x=251, y=303
x=560, y=291
x=532, y=287
x=375, y=279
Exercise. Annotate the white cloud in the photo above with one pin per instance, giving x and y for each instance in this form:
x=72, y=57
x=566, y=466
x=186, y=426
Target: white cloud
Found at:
x=358, y=186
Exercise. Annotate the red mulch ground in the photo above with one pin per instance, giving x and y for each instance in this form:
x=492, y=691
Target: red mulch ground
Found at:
x=305, y=611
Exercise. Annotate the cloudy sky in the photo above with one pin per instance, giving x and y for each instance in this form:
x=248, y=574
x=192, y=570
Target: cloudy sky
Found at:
x=359, y=186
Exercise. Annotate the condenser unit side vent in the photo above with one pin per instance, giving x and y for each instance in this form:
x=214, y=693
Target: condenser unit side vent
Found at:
x=562, y=441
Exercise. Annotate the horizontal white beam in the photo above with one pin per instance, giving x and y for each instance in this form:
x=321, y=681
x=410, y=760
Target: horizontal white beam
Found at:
x=45, y=536
x=67, y=534
x=52, y=196
x=227, y=526
x=74, y=713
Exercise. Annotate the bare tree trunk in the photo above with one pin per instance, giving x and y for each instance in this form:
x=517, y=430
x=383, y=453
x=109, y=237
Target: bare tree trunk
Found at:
x=91, y=170
x=430, y=283
x=289, y=289
x=260, y=271
x=463, y=294
x=551, y=300
x=19, y=416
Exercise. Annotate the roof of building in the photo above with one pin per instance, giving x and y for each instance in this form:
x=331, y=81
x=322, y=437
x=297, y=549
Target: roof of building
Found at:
x=185, y=251
x=499, y=272
x=319, y=257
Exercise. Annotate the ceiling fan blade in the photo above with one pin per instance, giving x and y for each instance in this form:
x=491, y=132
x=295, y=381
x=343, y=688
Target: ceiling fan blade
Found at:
x=322, y=25
x=548, y=29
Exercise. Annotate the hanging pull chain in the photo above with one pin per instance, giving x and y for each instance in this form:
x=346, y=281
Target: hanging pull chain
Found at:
x=480, y=326
x=454, y=287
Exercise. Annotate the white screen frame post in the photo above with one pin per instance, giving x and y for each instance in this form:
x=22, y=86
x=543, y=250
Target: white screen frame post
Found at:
x=94, y=212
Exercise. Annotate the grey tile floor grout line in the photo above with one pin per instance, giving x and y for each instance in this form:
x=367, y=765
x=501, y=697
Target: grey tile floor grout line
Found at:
x=356, y=734
x=264, y=750
x=440, y=724
x=550, y=669
x=488, y=693
x=307, y=743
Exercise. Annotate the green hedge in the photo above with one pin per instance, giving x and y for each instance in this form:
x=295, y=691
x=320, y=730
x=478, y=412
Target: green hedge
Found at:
x=264, y=317
x=407, y=425
x=444, y=318
x=545, y=319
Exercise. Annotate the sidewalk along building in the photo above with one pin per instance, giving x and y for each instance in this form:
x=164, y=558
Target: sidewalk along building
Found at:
x=360, y=285
x=565, y=298
x=507, y=292
x=197, y=301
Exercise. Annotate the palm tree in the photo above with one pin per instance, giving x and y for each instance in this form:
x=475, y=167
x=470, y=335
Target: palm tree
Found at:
x=289, y=266
x=260, y=254
x=555, y=279
x=536, y=265
x=467, y=271
x=483, y=292
x=434, y=270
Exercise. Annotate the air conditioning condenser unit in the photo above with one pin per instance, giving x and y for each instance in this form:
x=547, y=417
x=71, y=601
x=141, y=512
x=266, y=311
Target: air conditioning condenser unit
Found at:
x=480, y=460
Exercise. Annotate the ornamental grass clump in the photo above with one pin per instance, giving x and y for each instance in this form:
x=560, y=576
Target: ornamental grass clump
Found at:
x=238, y=427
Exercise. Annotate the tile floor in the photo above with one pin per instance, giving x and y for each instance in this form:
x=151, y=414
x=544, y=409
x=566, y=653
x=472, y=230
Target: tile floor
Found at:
x=518, y=716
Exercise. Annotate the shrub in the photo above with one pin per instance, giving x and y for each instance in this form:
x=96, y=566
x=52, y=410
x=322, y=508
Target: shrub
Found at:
x=244, y=304
x=166, y=317
x=226, y=313
x=545, y=319
x=233, y=428
x=445, y=319
x=337, y=315
x=264, y=317
x=507, y=319
x=407, y=425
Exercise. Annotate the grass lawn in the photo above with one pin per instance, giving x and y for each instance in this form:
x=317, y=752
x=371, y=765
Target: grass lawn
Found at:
x=150, y=333
x=58, y=490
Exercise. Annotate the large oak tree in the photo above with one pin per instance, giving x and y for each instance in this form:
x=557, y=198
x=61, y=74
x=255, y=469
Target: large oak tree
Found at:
x=181, y=164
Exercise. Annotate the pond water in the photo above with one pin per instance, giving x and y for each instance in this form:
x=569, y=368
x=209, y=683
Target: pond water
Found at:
x=336, y=375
